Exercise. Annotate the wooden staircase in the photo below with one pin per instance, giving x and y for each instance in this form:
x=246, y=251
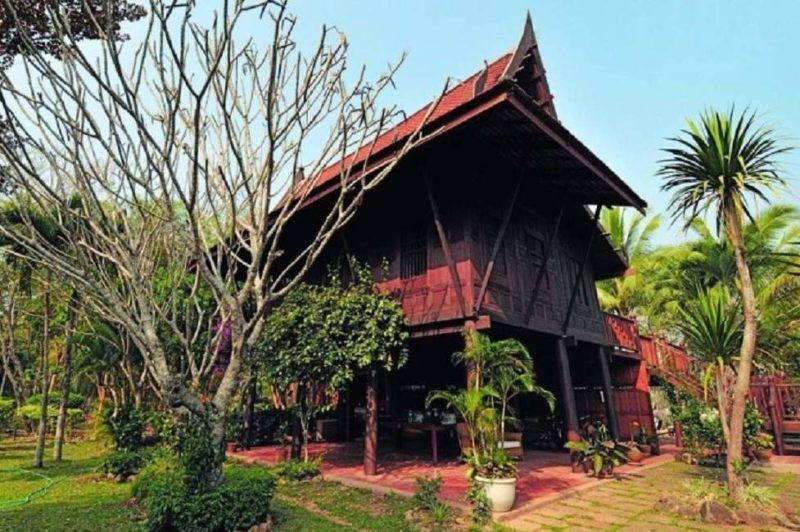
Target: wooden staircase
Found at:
x=777, y=399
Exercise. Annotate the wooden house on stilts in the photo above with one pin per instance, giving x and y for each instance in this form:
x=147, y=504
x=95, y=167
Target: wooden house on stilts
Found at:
x=491, y=224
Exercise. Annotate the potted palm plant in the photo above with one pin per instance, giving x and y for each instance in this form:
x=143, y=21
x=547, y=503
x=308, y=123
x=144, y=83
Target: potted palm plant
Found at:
x=599, y=457
x=762, y=446
x=643, y=441
x=501, y=370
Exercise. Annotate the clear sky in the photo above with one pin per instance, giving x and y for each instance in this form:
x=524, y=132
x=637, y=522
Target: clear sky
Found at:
x=625, y=73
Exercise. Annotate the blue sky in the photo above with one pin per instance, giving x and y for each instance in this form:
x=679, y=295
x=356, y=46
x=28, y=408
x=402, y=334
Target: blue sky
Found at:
x=625, y=73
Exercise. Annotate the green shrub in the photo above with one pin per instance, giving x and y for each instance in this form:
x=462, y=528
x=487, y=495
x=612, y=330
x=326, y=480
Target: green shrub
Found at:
x=162, y=473
x=7, y=407
x=701, y=425
x=240, y=500
x=74, y=400
x=194, y=445
x=126, y=427
x=245, y=495
x=125, y=463
x=297, y=469
x=426, y=498
x=426, y=493
x=28, y=415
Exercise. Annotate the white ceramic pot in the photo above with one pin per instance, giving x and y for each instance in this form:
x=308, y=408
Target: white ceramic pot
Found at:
x=501, y=492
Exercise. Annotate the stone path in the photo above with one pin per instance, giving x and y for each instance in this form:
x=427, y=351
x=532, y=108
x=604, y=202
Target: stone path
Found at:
x=628, y=503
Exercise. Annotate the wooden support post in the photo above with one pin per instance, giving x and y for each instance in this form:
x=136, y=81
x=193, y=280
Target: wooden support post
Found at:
x=371, y=425
x=579, y=275
x=497, y=245
x=448, y=255
x=775, y=403
x=567, y=391
x=608, y=391
x=551, y=242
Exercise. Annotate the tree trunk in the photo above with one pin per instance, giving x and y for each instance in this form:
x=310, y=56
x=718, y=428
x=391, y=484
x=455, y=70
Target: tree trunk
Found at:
x=722, y=403
x=38, y=460
x=15, y=377
x=741, y=390
x=371, y=425
x=249, y=411
x=297, y=426
x=66, y=379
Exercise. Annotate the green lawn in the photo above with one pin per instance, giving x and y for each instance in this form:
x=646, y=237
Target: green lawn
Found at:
x=81, y=499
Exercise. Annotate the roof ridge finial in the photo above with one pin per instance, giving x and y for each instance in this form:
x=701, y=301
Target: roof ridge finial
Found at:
x=526, y=58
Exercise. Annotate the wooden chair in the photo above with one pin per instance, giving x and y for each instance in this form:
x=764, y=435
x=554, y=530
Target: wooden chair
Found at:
x=463, y=438
x=513, y=444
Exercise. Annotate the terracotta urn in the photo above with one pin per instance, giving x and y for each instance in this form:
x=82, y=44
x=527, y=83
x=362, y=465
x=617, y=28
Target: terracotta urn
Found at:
x=635, y=456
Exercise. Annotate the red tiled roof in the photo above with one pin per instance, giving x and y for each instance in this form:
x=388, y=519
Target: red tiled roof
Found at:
x=453, y=98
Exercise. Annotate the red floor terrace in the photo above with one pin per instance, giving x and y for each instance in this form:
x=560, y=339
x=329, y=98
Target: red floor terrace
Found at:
x=543, y=475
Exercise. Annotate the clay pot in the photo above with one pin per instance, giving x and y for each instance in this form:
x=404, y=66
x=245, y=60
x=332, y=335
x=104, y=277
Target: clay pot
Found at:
x=645, y=448
x=635, y=456
x=764, y=455
x=606, y=472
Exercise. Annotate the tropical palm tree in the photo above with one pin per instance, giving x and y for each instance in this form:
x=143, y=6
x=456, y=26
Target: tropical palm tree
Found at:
x=723, y=164
x=632, y=234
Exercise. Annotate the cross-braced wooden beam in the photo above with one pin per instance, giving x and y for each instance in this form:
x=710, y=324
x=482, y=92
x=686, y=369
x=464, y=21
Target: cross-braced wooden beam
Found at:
x=448, y=255
x=551, y=241
x=498, y=243
x=579, y=275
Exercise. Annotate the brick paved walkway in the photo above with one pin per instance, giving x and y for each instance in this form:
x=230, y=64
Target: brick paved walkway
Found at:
x=627, y=503
x=542, y=475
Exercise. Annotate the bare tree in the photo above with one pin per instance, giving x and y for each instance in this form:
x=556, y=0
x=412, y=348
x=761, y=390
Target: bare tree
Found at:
x=183, y=151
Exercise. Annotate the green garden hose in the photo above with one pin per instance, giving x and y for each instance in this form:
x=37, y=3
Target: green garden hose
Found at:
x=35, y=494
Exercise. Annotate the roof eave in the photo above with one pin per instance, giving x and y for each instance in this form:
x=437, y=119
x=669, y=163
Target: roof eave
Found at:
x=562, y=136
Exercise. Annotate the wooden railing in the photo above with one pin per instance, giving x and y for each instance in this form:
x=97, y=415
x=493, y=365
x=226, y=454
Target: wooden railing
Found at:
x=777, y=399
x=624, y=333
x=671, y=362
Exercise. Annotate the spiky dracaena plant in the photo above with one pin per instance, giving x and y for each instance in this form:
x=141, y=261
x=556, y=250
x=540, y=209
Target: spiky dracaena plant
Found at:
x=723, y=164
x=712, y=327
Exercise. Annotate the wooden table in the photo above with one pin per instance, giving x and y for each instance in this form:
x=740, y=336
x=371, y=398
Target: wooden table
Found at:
x=433, y=428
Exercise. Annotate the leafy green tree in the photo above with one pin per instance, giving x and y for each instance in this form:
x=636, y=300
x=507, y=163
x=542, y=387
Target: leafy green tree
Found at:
x=723, y=164
x=321, y=336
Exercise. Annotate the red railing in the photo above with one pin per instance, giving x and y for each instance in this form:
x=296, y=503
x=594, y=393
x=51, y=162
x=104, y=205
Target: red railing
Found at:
x=777, y=399
x=623, y=332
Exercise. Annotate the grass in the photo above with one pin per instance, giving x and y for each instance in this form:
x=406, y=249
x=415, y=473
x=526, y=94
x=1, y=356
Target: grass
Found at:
x=81, y=499
x=78, y=500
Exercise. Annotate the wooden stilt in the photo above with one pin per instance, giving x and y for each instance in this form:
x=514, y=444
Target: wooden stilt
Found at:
x=567, y=392
x=608, y=391
x=371, y=426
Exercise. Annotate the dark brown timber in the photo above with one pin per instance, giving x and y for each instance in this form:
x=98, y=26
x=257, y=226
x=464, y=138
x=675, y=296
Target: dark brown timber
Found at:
x=551, y=240
x=608, y=391
x=579, y=275
x=567, y=391
x=498, y=243
x=448, y=255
